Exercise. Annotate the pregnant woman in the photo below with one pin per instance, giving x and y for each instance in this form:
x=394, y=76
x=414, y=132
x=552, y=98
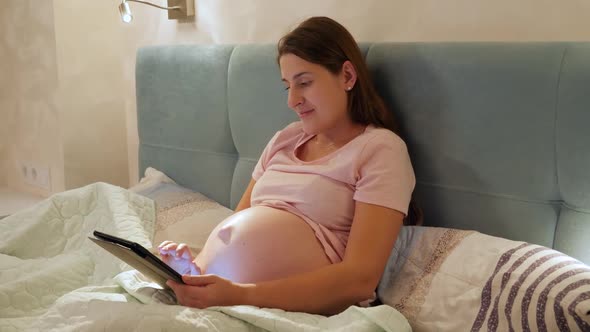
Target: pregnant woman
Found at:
x=327, y=199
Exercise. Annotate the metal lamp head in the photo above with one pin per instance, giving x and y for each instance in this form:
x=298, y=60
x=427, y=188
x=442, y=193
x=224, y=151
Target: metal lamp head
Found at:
x=177, y=9
x=125, y=12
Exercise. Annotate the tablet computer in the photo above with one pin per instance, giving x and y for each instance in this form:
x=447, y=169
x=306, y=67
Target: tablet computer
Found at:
x=138, y=257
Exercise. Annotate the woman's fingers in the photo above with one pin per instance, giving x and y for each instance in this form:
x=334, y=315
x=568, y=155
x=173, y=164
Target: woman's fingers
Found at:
x=178, y=250
x=184, y=251
x=164, y=243
x=170, y=246
x=167, y=248
x=201, y=280
x=195, y=270
x=181, y=250
x=189, y=296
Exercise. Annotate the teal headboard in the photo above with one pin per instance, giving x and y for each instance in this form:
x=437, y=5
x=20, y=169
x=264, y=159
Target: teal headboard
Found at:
x=499, y=133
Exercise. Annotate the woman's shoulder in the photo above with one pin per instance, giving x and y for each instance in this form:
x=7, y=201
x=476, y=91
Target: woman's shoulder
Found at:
x=289, y=133
x=293, y=129
x=377, y=136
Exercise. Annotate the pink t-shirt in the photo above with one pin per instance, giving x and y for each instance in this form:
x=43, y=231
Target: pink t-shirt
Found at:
x=373, y=168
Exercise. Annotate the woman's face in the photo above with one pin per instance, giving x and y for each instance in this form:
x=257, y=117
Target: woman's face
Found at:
x=317, y=96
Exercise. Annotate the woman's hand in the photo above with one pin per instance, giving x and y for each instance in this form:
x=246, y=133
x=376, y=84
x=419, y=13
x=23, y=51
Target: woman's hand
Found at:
x=178, y=257
x=209, y=290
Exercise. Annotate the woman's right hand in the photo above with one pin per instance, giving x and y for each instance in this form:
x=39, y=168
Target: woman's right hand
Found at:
x=179, y=257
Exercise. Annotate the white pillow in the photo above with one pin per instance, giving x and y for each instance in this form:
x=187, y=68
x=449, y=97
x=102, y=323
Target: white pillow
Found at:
x=152, y=177
x=182, y=215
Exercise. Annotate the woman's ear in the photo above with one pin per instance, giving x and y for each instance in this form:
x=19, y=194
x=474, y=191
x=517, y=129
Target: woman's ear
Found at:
x=349, y=75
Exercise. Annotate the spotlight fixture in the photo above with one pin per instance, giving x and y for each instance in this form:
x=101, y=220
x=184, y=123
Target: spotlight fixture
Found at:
x=125, y=12
x=177, y=9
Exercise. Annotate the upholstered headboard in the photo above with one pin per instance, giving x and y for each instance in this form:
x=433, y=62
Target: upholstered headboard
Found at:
x=498, y=133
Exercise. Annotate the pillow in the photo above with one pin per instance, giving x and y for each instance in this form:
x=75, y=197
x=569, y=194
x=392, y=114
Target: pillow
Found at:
x=182, y=215
x=444, y=279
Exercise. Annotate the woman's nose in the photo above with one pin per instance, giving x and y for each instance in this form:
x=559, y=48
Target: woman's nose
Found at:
x=295, y=98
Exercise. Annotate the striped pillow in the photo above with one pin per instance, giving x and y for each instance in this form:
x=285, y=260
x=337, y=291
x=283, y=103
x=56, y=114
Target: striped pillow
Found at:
x=454, y=280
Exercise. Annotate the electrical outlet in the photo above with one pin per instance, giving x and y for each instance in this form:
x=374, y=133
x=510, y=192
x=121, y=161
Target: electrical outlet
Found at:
x=36, y=175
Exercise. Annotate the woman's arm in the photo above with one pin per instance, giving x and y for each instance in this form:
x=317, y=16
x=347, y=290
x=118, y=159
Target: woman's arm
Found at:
x=245, y=200
x=332, y=289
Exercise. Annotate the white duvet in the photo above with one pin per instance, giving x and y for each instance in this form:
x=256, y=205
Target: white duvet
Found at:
x=53, y=278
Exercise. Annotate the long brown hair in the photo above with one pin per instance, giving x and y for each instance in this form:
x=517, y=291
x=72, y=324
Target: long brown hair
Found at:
x=325, y=42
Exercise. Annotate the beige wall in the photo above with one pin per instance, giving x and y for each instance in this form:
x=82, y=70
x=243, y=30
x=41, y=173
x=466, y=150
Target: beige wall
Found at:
x=91, y=96
x=30, y=121
x=95, y=56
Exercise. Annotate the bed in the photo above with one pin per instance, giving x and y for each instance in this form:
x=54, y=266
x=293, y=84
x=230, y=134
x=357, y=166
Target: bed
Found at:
x=498, y=135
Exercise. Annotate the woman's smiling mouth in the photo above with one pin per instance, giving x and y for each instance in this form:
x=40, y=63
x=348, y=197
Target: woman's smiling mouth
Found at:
x=305, y=114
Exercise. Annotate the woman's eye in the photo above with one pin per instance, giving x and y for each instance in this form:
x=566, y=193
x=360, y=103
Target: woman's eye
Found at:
x=300, y=85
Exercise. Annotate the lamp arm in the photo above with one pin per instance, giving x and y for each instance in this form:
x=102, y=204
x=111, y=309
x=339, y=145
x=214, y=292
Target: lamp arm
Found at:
x=154, y=5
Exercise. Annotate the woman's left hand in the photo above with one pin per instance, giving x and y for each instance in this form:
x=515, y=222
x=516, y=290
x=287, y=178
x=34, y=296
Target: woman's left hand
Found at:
x=203, y=291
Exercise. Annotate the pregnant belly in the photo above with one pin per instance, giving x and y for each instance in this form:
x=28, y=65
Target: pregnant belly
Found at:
x=259, y=244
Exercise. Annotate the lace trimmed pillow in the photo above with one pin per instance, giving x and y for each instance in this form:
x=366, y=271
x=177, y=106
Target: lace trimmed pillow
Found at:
x=182, y=215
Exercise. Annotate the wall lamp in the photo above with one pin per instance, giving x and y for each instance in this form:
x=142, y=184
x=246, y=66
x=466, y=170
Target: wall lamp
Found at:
x=177, y=9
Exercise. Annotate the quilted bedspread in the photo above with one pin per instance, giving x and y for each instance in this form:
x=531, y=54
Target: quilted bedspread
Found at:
x=53, y=278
